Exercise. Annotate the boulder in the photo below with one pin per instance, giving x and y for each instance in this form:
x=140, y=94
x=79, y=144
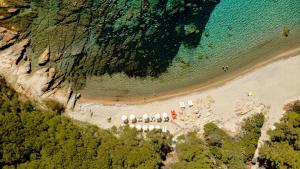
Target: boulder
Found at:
x=44, y=58
x=51, y=74
x=27, y=66
x=72, y=102
x=78, y=95
x=7, y=37
x=12, y=10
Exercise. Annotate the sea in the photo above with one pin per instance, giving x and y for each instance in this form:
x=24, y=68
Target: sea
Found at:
x=238, y=35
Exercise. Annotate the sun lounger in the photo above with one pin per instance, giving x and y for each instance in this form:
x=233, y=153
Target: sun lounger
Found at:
x=190, y=103
x=181, y=105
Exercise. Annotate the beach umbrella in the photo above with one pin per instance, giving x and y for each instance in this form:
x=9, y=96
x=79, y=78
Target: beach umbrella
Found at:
x=124, y=119
x=157, y=127
x=165, y=116
x=145, y=127
x=146, y=118
x=132, y=118
x=151, y=127
x=138, y=127
x=157, y=117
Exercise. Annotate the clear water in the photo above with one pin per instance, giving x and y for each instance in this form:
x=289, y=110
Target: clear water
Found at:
x=235, y=27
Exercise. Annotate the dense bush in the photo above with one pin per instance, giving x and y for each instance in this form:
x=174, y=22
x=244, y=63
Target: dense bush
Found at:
x=283, y=149
x=193, y=153
x=33, y=139
x=54, y=106
x=218, y=149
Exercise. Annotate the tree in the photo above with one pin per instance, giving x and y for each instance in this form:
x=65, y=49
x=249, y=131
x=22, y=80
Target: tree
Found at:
x=285, y=137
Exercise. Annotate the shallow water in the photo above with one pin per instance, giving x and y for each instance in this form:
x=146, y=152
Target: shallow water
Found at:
x=238, y=32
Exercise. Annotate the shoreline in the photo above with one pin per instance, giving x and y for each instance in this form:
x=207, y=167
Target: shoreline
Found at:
x=272, y=86
x=213, y=83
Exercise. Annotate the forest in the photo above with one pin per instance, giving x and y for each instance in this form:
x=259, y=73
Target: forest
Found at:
x=283, y=148
x=218, y=149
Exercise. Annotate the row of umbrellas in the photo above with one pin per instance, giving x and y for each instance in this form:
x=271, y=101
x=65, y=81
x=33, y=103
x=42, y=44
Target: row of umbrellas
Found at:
x=146, y=118
x=148, y=128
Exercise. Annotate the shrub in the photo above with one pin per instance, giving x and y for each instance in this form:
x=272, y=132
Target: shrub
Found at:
x=54, y=106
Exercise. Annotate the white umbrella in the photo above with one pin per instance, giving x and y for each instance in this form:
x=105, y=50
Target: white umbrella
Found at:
x=146, y=118
x=151, y=127
x=138, y=127
x=132, y=126
x=124, y=119
x=145, y=127
x=132, y=118
x=157, y=127
x=157, y=117
x=165, y=116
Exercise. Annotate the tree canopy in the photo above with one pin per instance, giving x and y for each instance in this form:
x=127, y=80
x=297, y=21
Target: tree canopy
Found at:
x=218, y=149
x=283, y=149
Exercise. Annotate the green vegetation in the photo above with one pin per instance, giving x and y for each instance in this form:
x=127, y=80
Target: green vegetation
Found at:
x=54, y=106
x=193, y=153
x=283, y=149
x=218, y=149
x=33, y=139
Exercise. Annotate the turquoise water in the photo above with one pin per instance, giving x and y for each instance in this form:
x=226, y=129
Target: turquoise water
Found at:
x=235, y=27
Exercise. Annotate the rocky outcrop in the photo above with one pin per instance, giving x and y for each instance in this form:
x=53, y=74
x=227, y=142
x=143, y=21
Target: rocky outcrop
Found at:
x=44, y=58
x=12, y=55
x=25, y=68
x=17, y=70
x=7, y=37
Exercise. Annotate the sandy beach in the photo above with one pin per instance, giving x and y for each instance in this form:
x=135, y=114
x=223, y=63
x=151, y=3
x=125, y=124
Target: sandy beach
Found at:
x=272, y=85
